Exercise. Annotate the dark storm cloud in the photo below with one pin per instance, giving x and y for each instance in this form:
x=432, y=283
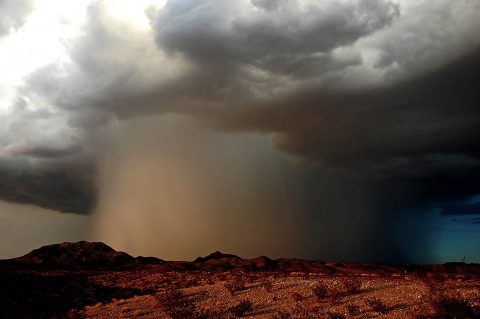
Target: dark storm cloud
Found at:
x=61, y=179
x=269, y=4
x=13, y=14
x=301, y=72
x=422, y=125
x=294, y=39
x=62, y=186
x=47, y=152
x=461, y=208
x=420, y=136
x=219, y=57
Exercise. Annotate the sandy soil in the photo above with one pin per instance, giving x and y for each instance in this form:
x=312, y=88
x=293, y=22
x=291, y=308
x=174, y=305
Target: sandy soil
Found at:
x=293, y=295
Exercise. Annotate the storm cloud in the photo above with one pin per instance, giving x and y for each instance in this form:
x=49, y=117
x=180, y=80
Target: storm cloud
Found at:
x=373, y=101
x=62, y=186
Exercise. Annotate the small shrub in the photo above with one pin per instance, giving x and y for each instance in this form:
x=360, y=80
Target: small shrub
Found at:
x=450, y=308
x=243, y=307
x=321, y=291
x=353, y=310
x=377, y=305
x=334, y=315
x=177, y=305
x=205, y=314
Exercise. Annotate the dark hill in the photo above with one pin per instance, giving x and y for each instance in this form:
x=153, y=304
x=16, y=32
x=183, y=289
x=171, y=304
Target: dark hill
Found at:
x=79, y=254
x=216, y=256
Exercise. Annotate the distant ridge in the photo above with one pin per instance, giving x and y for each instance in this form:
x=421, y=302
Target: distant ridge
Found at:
x=96, y=255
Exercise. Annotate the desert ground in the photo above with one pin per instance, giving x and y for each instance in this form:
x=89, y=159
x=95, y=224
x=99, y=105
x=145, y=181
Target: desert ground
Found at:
x=91, y=280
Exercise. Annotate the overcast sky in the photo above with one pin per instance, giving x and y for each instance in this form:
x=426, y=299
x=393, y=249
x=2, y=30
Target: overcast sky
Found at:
x=322, y=129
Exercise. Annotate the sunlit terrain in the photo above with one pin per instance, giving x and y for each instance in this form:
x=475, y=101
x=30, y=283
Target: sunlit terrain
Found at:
x=91, y=280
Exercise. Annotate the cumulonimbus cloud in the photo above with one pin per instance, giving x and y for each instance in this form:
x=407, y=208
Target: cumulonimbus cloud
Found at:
x=380, y=86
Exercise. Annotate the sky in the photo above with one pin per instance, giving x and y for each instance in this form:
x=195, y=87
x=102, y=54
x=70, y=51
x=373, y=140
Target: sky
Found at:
x=333, y=130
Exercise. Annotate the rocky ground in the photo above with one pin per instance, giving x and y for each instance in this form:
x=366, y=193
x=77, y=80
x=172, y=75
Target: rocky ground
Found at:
x=292, y=295
x=226, y=286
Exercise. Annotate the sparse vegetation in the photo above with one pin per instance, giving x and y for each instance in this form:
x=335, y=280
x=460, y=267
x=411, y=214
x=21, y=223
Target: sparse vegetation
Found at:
x=281, y=315
x=201, y=294
x=335, y=315
x=377, y=305
x=353, y=310
x=322, y=291
x=452, y=308
x=242, y=308
x=177, y=305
